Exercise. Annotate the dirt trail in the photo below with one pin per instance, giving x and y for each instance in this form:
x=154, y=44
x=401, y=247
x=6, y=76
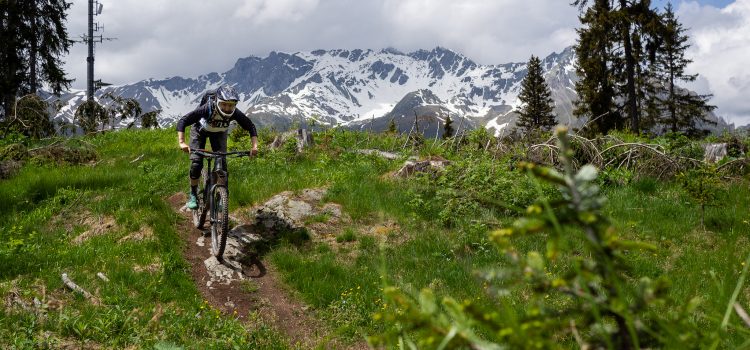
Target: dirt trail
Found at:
x=270, y=298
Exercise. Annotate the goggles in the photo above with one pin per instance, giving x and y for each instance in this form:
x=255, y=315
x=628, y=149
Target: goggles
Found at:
x=227, y=106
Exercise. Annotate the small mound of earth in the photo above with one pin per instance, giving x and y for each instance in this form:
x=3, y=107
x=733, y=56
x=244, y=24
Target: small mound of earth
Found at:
x=146, y=232
x=98, y=225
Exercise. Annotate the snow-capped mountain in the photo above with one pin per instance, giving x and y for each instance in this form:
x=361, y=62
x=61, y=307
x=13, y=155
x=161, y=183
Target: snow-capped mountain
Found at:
x=360, y=89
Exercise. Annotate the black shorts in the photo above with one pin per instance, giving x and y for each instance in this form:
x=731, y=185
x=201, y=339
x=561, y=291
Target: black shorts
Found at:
x=198, y=141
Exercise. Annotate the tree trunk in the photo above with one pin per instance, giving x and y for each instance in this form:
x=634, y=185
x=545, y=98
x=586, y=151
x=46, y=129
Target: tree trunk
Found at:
x=9, y=83
x=33, y=50
x=671, y=98
x=32, y=66
x=632, y=105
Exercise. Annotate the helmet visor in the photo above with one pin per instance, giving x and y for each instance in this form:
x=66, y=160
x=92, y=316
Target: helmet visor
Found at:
x=227, y=107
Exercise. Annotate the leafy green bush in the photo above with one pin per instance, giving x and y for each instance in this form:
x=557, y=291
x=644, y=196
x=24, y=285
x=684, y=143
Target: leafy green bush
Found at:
x=238, y=135
x=14, y=151
x=477, y=181
x=680, y=145
x=703, y=185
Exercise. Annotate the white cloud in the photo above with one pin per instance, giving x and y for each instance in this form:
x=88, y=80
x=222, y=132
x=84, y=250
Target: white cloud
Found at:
x=162, y=38
x=263, y=11
x=721, y=53
x=488, y=31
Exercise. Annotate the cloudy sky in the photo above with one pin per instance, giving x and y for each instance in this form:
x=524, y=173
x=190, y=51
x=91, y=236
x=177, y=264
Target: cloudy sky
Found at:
x=163, y=38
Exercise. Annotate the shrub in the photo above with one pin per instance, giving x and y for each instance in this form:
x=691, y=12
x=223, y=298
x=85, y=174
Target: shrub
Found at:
x=702, y=184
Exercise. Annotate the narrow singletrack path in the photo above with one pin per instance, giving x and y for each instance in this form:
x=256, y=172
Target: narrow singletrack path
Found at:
x=259, y=289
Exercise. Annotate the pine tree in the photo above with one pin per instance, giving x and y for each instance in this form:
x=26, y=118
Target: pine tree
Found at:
x=47, y=42
x=594, y=51
x=611, y=56
x=32, y=117
x=624, y=20
x=89, y=114
x=448, y=131
x=149, y=120
x=537, y=105
x=679, y=109
x=392, y=126
x=33, y=37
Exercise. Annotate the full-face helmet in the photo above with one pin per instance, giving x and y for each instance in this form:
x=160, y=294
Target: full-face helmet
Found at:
x=226, y=100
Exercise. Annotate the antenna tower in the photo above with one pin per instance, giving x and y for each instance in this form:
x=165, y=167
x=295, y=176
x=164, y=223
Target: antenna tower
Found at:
x=95, y=9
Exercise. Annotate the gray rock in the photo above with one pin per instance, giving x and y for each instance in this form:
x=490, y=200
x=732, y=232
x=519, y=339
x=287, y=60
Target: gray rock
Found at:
x=426, y=166
x=303, y=136
x=223, y=273
x=714, y=152
x=282, y=213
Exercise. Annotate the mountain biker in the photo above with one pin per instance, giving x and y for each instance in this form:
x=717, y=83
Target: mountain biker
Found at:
x=211, y=121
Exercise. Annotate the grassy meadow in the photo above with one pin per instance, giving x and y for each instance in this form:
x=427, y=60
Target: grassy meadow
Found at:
x=425, y=231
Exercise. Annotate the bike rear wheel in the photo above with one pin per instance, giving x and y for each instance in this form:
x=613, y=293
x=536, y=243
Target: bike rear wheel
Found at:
x=199, y=215
x=219, y=221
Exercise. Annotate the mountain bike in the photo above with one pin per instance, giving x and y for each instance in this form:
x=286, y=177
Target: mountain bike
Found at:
x=213, y=197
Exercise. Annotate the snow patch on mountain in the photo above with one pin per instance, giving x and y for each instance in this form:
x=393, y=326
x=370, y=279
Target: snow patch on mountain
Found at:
x=355, y=87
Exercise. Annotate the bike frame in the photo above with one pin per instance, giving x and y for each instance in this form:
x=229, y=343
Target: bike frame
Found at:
x=217, y=177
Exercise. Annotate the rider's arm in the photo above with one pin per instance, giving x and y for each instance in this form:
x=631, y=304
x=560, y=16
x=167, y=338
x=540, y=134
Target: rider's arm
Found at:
x=248, y=125
x=181, y=141
x=255, y=143
x=191, y=118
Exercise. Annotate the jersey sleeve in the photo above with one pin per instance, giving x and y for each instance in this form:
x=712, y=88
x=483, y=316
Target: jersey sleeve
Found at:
x=192, y=118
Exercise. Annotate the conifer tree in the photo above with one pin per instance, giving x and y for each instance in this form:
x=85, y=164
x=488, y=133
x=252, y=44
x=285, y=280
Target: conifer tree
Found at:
x=33, y=37
x=89, y=114
x=611, y=55
x=392, y=126
x=536, y=103
x=679, y=109
x=594, y=51
x=448, y=131
x=32, y=117
x=149, y=120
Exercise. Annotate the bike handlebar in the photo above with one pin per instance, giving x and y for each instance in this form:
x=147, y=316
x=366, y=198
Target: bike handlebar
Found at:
x=211, y=154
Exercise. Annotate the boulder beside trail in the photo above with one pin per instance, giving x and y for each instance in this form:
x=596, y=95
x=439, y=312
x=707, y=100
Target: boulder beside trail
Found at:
x=303, y=136
x=431, y=166
x=286, y=213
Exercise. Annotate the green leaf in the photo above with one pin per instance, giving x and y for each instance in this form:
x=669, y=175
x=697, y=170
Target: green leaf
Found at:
x=535, y=261
x=427, y=302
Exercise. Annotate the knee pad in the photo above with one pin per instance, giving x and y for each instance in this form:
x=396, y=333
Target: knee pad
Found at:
x=195, y=169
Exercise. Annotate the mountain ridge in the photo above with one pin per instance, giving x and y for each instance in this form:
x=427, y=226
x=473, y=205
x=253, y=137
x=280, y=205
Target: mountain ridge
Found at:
x=356, y=87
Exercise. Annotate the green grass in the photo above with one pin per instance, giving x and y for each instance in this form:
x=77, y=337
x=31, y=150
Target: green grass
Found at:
x=347, y=236
x=41, y=214
x=700, y=262
x=341, y=281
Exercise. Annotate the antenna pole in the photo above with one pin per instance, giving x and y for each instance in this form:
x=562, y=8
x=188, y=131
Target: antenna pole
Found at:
x=90, y=58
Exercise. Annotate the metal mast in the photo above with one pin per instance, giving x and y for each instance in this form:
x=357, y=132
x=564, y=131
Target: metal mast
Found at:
x=95, y=9
x=90, y=58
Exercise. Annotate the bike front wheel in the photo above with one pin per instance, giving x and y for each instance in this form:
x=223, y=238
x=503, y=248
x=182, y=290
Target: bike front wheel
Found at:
x=220, y=221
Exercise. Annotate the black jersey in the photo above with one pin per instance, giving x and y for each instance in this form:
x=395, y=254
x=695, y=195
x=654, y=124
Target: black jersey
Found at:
x=215, y=122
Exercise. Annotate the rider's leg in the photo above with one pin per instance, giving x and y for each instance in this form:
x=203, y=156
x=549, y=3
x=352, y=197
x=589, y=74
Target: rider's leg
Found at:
x=219, y=144
x=197, y=141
